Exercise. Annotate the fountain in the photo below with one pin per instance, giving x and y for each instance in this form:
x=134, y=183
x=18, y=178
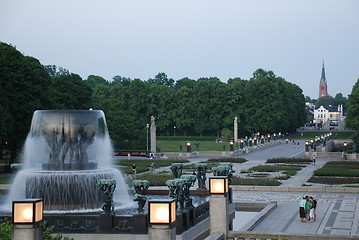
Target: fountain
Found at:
x=64, y=154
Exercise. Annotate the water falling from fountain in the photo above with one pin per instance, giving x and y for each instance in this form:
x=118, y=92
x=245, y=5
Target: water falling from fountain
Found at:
x=64, y=154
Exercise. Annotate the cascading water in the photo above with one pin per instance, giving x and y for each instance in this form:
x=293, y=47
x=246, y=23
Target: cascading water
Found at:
x=64, y=154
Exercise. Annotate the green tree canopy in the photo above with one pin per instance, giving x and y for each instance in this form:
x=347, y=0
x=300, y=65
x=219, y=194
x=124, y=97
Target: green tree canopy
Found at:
x=24, y=88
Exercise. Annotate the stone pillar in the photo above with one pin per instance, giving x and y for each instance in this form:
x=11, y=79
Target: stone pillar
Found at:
x=161, y=232
x=218, y=214
x=153, y=135
x=27, y=232
x=235, y=129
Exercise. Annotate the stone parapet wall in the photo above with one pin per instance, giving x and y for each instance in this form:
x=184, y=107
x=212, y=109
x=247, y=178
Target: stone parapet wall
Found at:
x=295, y=189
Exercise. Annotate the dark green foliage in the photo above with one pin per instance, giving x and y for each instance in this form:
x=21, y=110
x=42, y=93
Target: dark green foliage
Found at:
x=232, y=160
x=186, y=138
x=334, y=180
x=339, y=168
x=255, y=182
x=5, y=229
x=71, y=92
x=142, y=165
x=48, y=235
x=275, y=168
x=352, y=117
x=203, y=107
x=289, y=160
x=155, y=179
x=337, y=172
x=25, y=87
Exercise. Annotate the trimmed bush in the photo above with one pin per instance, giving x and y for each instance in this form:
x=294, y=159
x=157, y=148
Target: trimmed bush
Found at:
x=232, y=160
x=289, y=160
x=334, y=180
x=255, y=182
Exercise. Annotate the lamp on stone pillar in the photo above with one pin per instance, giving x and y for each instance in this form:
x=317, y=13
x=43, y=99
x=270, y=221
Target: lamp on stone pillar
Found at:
x=218, y=205
x=26, y=216
x=218, y=185
x=162, y=218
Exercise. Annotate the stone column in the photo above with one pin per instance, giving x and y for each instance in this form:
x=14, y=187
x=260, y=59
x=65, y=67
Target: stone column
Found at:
x=235, y=129
x=218, y=214
x=160, y=232
x=27, y=232
x=153, y=135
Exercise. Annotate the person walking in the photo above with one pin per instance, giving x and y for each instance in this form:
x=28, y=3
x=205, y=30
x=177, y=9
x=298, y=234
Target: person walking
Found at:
x=302, y=209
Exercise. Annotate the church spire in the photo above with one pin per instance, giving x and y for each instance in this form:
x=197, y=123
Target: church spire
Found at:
x=323, y=79
x=323, y=88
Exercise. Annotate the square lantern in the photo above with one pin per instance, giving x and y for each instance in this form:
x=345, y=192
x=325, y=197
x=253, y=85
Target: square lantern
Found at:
x=28, y=211
x=162, y=211
x=218, y=185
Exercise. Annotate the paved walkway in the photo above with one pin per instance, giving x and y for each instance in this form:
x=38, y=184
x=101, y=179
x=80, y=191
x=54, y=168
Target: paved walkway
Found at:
x=337, y=214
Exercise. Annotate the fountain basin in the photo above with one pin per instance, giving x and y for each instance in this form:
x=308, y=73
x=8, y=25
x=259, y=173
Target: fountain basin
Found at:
x=67, y=190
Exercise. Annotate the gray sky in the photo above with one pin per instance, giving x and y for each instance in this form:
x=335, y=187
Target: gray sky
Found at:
x=191, y=38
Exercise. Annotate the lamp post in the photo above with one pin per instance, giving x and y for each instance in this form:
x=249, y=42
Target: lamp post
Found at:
x=189, y=147
x=345, y=144
x=307, y=146
x=218, y=205
x=162, y=218
x=231, y=145
x=26, y=216
x=241, y=143
x=174, y=131
x=147, y=127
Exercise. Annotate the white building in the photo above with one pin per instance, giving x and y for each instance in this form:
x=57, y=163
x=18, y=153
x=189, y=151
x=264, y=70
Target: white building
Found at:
x=329, y=117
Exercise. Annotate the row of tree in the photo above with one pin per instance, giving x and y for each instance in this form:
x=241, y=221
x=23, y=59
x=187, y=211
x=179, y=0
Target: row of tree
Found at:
x=264, y=103
x=339, y=99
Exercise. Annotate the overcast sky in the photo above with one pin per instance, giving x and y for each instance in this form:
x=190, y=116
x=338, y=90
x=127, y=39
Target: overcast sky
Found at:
x=191, y=38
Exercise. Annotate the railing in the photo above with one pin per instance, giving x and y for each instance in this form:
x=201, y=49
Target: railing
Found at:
x=136, y=224
x=283, y=236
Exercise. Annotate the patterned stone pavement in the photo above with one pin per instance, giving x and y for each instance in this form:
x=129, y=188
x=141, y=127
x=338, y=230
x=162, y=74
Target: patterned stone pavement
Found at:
x=337, y=213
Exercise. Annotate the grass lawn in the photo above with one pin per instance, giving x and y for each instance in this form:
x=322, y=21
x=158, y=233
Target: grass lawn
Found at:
x=143, y=165
x=310, y=135
x=337, y=172
x=5, y=179
x=155, y=179
x=339, y=168
x=174, y=146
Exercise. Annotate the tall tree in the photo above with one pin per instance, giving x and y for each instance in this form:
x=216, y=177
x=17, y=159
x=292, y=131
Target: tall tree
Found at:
x=352, y=118
x=24, y=88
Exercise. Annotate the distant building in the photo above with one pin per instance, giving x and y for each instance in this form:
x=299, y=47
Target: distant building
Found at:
x=329, y=117
x=309, y=109
x=323, y=87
